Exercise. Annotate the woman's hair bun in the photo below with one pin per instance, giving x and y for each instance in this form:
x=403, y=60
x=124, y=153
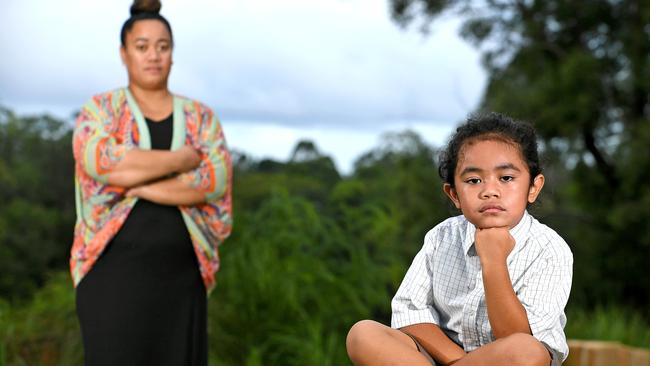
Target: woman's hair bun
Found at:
x=145, y=6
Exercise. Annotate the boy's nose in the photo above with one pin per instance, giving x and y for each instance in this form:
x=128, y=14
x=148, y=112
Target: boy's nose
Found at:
x=490, y=191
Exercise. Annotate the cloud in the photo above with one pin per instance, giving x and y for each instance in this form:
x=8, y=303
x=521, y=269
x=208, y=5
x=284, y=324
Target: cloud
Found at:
x=343, y=143
x=338, y=72
x=283, y=62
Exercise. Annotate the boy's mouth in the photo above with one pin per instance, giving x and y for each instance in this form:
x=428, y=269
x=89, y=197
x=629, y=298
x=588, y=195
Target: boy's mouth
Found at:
x=491, y=208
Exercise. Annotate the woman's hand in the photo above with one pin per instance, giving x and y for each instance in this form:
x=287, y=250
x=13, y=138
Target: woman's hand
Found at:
x=188, y=158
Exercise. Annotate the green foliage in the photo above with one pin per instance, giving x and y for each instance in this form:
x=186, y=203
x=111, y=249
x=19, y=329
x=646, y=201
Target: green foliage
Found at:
x=412, y=194
x=26, y=250
x=43, y=330
x=308, y=174
x=36, y=191
x=278, y=275
x=613, y=323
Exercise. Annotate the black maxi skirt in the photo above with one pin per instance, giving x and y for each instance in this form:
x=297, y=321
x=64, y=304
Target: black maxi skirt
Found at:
x=144, y=302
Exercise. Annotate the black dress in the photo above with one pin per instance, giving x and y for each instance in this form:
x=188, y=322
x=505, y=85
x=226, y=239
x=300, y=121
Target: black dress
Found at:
x=144, y=302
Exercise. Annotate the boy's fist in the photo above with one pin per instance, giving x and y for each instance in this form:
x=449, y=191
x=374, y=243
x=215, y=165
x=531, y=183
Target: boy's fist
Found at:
x=493, y=245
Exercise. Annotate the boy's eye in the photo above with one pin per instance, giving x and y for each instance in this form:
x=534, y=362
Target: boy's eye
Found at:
x=140, y=47
x=507, y=178
x=473, y=181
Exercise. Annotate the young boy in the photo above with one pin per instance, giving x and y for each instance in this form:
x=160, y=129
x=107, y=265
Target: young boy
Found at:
x=488, y=287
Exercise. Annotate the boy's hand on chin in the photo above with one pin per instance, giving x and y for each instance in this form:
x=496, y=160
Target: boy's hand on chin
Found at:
x=493, y=245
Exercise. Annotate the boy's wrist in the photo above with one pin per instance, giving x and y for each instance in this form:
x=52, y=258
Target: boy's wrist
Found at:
x=493, y=263
x=494, y=271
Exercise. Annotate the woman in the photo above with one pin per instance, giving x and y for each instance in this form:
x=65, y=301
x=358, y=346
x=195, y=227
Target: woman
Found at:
x=153, y=180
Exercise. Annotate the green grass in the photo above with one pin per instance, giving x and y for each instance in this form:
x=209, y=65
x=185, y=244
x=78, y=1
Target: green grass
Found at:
x=611, y=323
x=44, y=330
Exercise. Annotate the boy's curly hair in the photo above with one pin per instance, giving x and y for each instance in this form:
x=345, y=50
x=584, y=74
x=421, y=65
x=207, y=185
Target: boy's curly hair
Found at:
x=490, y=126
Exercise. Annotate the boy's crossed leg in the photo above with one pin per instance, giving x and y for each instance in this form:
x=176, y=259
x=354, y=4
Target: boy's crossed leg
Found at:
x=372, y=343
x=518, y=349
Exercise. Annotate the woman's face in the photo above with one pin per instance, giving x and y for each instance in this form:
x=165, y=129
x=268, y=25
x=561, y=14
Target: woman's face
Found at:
x=148, y=54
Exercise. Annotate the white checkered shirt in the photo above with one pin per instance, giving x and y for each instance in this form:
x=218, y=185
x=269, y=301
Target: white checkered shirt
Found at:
x=444, y=284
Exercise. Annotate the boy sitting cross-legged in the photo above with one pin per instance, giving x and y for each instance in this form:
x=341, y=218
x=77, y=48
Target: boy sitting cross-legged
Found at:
x=488, y=287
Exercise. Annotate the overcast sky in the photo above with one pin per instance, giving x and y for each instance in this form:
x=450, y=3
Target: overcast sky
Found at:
x=339, y=72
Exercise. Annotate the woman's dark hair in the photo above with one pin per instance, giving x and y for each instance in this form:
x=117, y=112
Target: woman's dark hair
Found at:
x=490, y=126
x=141, y=10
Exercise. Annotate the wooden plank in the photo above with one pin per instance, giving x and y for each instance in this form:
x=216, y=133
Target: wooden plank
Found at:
x=603, y=353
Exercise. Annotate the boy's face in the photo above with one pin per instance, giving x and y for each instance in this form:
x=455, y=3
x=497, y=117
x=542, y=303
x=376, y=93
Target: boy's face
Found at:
x=492, y=184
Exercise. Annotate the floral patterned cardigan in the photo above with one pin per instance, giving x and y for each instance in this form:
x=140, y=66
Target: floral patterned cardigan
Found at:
x=107, y=127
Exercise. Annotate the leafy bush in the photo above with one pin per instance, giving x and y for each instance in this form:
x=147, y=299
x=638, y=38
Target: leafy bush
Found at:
x=612, y=323
x=43, y=330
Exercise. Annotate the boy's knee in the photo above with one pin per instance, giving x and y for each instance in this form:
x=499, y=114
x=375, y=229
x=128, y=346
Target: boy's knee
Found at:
x=526, y=350
x=360, y=336
x=361, y=330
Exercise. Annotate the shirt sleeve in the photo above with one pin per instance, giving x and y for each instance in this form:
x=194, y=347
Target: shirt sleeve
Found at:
x=96, y=150
x=413, y=302
x=213, y=173
x=544, y=297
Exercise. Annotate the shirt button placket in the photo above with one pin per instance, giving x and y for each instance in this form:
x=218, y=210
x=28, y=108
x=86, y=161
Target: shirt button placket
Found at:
x=467, y=320
x=480, y=313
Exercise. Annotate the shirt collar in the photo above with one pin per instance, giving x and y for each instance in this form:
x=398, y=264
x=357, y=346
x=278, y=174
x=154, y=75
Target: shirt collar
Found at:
x=519, y=232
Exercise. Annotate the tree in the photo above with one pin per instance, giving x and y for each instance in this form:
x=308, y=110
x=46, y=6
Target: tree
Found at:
x=581, y=72
x=37, y=200
x=308, y=173
x=401, y=177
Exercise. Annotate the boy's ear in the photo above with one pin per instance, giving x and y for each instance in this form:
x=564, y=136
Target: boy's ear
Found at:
x=535, y=188
x=452, y=194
